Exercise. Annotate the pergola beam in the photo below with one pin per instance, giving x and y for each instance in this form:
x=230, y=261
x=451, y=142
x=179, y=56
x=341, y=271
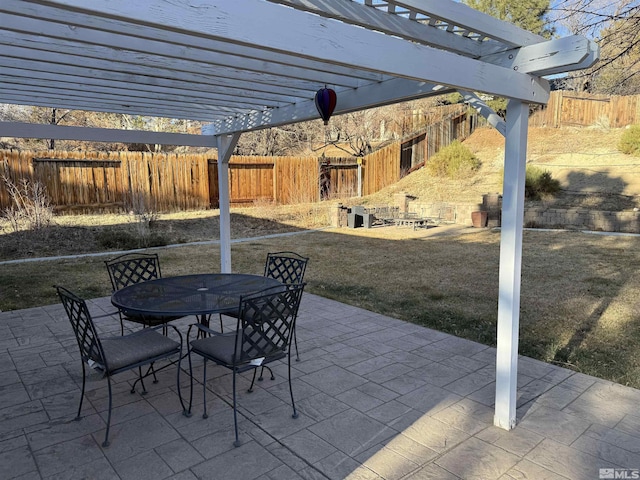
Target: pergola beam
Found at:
x=113, y=106
x=466, y=17
x=338, y=45
x=384, y=93
x=365, y=16
x=57, y=72
x=88, y=134
x=123, y=34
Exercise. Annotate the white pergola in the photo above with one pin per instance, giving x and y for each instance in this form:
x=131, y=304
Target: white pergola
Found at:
x=243, y=65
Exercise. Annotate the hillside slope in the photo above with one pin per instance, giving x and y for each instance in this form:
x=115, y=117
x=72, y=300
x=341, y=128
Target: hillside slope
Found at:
x=592, y=172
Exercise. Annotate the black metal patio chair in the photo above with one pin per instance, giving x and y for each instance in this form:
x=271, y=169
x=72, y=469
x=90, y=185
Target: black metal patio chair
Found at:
x=132, y=268
x=265, y=325
x=289, y=268
x=113, y=355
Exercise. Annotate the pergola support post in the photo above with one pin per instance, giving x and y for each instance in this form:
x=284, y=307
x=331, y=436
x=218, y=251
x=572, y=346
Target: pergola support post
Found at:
x=226, y=144
x=510, y=264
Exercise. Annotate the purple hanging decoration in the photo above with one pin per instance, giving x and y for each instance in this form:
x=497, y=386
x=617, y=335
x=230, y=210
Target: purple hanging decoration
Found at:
x=325, y=103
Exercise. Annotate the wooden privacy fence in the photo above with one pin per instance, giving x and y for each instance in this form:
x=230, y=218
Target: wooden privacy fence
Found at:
x=423, y=144
x=113, y=181
x=110, y=181
x=582, y=109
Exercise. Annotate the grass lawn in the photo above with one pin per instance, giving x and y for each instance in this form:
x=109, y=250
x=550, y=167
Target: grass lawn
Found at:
x=579, y=304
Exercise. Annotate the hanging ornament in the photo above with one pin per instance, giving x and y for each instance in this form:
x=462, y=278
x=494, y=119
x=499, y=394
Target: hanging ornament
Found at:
x=325, y=103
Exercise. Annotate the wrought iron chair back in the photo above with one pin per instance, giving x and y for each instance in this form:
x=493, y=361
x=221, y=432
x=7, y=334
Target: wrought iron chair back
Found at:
x=287, y=267
x=265, y=323
x=132, y=268
x=83, y=328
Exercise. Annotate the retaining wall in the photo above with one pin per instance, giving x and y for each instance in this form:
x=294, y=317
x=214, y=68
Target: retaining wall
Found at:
x=540, y=217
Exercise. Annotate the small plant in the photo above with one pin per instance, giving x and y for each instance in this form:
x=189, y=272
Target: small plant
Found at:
x=539, y=183
x=453, y=161
x=123, y=240
x=117, y=239
x=144, y=210
x=630, y=141
x=31, y=207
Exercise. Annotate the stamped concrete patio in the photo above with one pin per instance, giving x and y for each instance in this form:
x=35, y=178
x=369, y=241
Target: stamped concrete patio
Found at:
x=378, y=398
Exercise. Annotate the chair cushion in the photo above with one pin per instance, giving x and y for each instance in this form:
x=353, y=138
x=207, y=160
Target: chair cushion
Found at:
x=219, y=348
x=137, y=347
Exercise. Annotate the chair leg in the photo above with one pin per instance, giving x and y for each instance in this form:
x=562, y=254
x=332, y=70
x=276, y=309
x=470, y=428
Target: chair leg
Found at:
x=293, y=402
x=255, y=370
x=235, y=412
x=141, y=379
x=273, y=377
x=84, y=382
x=204, y=388
x=221, y=325
x=295, y=342
x=188, y=412
x=106, y=434
x=184, y=410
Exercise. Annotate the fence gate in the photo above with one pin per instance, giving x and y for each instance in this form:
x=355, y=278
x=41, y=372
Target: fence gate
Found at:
x=338, y=180
x=413, y=153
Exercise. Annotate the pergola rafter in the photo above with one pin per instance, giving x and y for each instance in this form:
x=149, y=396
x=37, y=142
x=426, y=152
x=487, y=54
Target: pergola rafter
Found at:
x=243, y=65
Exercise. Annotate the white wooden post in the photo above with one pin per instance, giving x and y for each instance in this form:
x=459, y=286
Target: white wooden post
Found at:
x=226, y=144
x=510, y=264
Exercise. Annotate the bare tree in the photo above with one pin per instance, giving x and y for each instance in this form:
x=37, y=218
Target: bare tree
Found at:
x=615, y=25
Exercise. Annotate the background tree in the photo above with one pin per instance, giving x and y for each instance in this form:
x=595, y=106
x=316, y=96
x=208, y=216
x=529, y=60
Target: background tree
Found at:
x=615, y=25
x=80, y=118
x=286, y=140
x=530, y=15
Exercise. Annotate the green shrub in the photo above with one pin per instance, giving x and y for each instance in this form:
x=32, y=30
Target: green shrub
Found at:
x=630, y=141
x=453, y=161
x=539, y=183
x=499, y=105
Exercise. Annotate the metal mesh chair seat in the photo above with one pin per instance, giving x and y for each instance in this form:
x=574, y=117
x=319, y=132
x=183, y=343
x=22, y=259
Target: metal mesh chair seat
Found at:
x=265, y=325
x=121, y=352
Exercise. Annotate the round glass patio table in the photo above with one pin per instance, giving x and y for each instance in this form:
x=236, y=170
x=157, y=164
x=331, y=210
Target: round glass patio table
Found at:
x=200, y=295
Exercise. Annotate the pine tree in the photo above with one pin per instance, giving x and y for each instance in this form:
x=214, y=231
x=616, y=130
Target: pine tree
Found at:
x=529, y=15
